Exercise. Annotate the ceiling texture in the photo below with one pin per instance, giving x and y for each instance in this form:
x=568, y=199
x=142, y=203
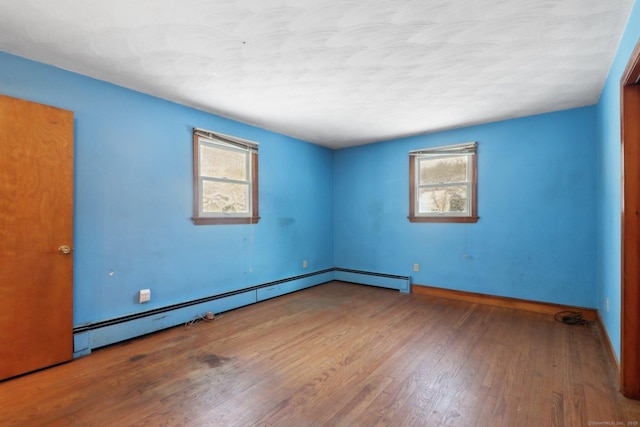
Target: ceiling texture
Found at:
x=337, y=73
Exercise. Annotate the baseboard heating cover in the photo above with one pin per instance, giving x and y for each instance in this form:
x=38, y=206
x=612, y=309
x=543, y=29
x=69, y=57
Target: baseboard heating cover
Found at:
x=90, y=336
x=401, y=283
x=87, y=337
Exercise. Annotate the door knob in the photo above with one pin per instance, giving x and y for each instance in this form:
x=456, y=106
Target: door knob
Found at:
x=64, y=250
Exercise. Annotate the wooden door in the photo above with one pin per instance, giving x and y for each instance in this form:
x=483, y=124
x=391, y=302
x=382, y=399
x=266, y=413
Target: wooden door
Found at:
x=36, y=211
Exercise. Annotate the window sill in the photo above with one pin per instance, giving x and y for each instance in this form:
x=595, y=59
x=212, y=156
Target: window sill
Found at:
x=459, y=219
x=236, y=220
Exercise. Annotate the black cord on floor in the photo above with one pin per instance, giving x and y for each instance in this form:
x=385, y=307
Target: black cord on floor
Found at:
x=571, y=318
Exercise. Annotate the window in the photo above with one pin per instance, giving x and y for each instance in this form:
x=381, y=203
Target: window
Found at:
x=225, y=177
x=443, y=184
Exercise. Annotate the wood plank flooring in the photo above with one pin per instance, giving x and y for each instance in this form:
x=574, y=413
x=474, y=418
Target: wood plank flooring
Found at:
x=337, y=355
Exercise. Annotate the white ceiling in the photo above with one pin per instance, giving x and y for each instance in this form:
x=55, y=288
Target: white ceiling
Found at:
x=334, y=72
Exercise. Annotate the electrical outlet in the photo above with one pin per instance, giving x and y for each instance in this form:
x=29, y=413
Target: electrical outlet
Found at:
x=416, y=267
x=144, y=295
x=304, y=264
x=607, y=304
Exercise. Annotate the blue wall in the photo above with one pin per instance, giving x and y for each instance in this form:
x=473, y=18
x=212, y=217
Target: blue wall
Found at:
x=133, y=199
x=549, y=197
x=609, y=188
x=536, y=237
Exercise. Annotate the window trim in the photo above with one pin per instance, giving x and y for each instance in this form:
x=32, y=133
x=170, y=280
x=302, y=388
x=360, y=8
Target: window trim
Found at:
x=252, y=148
x=467, y=148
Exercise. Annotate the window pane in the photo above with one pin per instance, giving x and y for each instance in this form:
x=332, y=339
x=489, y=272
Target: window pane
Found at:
x=439, y=170
x=225, y=197
x=222, y=163
x=442, y=199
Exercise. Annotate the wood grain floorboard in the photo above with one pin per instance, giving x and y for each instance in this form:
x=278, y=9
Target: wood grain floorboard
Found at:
x=337, y=355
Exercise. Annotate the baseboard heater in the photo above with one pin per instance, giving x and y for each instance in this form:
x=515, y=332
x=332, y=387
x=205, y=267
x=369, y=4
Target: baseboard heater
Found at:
x=401, y=283
x=99, y=334
x=90, y=336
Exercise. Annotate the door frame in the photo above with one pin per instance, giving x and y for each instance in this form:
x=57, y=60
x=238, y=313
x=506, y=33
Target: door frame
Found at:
x=630, y=222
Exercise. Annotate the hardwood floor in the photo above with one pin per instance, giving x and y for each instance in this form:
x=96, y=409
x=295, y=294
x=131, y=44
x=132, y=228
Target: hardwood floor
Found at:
x=339, y=355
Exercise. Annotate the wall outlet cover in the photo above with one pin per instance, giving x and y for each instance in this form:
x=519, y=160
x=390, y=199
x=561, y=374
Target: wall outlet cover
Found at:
x=144, y=295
